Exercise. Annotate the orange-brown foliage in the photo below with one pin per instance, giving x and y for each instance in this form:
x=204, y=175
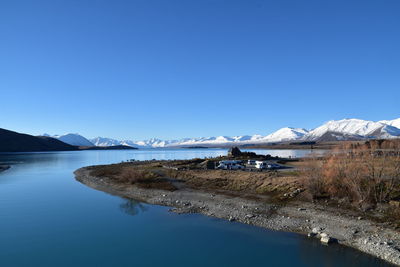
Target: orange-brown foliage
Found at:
x=365, y=174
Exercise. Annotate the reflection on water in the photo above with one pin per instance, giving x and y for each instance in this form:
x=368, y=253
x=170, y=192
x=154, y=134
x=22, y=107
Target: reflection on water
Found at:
x=132, y=207
x=49, y=219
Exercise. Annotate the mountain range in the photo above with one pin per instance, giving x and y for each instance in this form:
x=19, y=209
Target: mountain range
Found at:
x=335, y=130
x=11, y=141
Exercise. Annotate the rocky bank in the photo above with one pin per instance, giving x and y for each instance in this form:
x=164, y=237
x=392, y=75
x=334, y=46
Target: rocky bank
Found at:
x=327, y=224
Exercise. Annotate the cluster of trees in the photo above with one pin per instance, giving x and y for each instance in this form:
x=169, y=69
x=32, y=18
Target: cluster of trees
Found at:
x=364, y=174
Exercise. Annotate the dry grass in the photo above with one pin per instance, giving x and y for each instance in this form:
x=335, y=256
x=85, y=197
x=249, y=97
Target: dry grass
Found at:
x=153, y=175
x=238, y=181
x=356, y=176
x=134, y=175
x=139, y=175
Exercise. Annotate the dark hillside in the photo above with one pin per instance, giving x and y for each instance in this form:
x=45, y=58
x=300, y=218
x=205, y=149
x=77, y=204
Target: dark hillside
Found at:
x=16, y=142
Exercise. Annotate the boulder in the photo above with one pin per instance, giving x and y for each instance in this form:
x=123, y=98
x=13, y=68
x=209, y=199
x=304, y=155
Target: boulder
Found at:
x=323, y=235
x=326, y=239
x=316, y=230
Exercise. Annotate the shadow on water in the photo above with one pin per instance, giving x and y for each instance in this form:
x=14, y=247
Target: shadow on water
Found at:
x=132, y=207
x=312, y=252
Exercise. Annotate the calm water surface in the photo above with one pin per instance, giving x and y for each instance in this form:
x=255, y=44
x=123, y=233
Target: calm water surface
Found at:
x=49, y=219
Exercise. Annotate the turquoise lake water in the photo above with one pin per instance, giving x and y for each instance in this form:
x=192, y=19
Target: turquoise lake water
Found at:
x=47, y=218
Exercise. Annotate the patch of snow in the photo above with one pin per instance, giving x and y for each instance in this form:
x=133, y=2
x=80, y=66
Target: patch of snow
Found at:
x=103, y=141
x=357, y=127
x=394, y=123
x=73, y=139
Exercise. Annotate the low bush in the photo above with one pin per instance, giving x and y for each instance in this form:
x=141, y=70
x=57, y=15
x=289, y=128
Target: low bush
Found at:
x=365, y=174
x=314, y=180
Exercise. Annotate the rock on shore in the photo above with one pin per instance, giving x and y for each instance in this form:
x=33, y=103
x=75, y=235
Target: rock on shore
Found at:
x=299, y=217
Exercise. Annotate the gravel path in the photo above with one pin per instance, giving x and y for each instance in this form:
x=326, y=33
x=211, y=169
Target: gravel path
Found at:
x=300, y=217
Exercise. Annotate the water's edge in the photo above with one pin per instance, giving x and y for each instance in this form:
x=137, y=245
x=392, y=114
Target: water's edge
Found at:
x=365, y=236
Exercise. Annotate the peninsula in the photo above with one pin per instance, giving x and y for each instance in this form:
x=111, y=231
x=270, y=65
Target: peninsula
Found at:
x=286, y=198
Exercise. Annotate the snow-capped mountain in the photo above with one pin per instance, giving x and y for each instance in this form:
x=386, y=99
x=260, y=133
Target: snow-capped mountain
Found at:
x=204, y=141
x=73, y=139
x=286, y=134
x=348, y=129
x=385, y=132
x=335, y=130
x=154, y=142
x=394, y=123
x=103, y=141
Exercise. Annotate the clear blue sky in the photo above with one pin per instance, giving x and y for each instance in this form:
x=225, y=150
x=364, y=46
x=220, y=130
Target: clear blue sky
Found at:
x=172, y=69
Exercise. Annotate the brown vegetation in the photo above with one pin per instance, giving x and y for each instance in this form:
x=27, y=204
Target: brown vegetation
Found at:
x=193, y=174
x=249, y=182
x=130, y=173
x=363, y=174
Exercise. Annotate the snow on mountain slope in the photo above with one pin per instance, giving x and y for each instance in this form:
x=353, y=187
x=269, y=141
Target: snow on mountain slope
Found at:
x=392, y=130
x=354, y=127
x=103, y=141
x=286, y=134
x=73, y=139
x=153, y=142
x=394, y=123
x=204, y=141
x=346, y=129
x=385, y=132
x=244, y=138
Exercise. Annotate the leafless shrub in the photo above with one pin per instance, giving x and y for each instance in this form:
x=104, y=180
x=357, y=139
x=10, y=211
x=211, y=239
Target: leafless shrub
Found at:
x=365, y=174
x=313, y=172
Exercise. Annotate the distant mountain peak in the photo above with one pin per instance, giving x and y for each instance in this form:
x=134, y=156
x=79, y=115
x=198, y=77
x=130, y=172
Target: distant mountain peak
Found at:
x=344, y=129
x=73, y=139
x=394, y=123
x=354, y=128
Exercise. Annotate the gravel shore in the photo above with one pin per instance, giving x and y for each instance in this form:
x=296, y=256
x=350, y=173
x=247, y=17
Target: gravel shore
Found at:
x=300, y=217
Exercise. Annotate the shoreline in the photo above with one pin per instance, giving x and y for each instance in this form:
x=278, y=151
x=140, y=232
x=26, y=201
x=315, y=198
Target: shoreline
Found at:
x=298, y=217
